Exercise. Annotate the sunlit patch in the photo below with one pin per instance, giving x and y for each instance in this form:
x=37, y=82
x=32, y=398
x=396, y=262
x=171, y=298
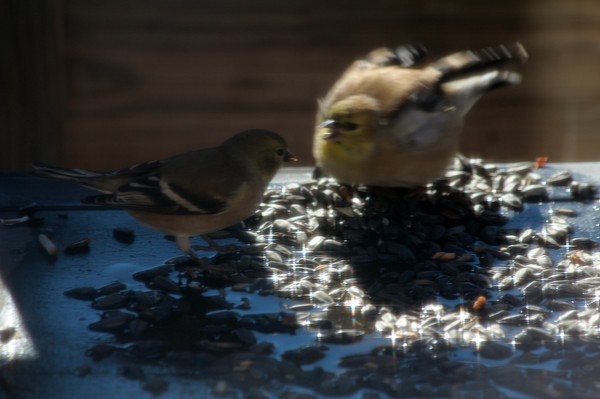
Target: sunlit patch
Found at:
x=400, y=330
x=477, y=339
x=561, y=336
x=567, y=245
x=16, y=343
x=353, y=304
x=509, y=292
x=278, y=278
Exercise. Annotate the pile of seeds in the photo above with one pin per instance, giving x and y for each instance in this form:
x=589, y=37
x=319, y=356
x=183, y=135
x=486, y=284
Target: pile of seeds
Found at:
x=436, y=279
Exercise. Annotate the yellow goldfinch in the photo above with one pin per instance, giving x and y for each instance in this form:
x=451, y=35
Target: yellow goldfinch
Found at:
x=385, y=123
x=194, y=193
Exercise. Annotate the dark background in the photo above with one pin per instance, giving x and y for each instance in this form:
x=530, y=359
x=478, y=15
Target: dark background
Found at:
x=106, y=83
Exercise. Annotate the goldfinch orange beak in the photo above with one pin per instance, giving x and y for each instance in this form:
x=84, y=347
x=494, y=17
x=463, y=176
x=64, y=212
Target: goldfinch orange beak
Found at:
x=289, y=157
x=332, y=131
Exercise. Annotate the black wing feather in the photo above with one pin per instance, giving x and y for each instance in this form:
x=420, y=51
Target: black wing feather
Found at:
x=148, y=194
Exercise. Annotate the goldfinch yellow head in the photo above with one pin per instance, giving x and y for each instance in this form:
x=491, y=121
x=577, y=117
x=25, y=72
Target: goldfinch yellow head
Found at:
x=262, y=149
x=349, y=125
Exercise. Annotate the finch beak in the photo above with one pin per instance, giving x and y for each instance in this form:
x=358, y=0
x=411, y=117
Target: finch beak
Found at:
x=289, y=157
x=332, y=131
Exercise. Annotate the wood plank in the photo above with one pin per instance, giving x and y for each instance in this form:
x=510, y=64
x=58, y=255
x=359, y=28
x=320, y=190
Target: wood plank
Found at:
x=149, y=78
x=32, y=100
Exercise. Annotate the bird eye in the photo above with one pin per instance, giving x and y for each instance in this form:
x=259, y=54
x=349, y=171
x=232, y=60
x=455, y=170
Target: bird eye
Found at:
x=280, y=152
x=349, y=126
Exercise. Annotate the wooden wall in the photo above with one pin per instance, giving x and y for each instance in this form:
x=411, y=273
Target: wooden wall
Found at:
x=132, y=80
x=32, y=82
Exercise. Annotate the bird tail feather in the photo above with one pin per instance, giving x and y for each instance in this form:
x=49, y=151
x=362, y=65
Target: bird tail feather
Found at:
x=64, y=173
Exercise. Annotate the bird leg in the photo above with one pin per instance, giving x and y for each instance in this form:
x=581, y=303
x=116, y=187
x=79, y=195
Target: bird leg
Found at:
x=183, y=243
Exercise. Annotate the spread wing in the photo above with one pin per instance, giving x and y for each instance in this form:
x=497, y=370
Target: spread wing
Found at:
x=449, y=88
